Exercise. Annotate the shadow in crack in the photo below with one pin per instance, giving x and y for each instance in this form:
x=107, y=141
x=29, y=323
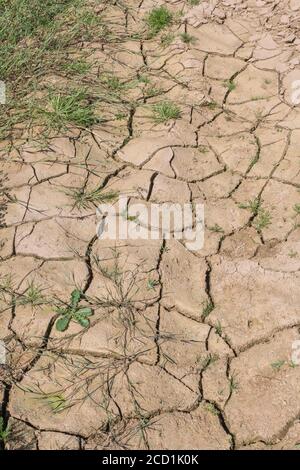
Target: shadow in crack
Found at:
x=21, y=436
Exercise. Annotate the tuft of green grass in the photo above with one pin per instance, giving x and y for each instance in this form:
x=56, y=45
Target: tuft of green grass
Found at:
x=113, y=83
x=187, y=38
x=144, y=79
x=165, y=110
x=193, y=2
x=86, y=199
x=158, y=19
x=21, y=18
x=4, y=431
x=208, y=361
x=219, y=329
x=56, y=402
x=86, y=25
x=73, y=312
x=233, y=384
x=152, y=283
x=77, y=67
x=207, y=309
x=230, y=85
x=297, y=208
x=73, y=108
x=33, y=296
x=254, y=160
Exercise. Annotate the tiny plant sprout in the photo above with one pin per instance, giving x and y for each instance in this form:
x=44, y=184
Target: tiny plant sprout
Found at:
x=73, y=313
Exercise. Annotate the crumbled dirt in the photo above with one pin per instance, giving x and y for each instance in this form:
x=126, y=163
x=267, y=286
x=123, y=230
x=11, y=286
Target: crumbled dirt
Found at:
x=185, y=349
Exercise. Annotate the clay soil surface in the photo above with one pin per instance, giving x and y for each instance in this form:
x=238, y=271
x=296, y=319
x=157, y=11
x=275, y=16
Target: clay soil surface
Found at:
x=147, y=344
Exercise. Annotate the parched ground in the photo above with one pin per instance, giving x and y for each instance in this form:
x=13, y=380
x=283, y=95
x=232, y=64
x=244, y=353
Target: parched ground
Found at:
x=185, y=349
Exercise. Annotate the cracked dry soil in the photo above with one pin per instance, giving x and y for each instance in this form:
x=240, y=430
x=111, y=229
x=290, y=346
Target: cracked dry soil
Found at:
x=202, y=359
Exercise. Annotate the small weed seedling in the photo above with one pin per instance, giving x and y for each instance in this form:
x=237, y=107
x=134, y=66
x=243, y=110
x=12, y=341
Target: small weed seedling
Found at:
x=277, y=365
x=293, y=365
x=166, y=110
x=167, y=39
x=73, y=313
x=262, y=220
x=253, y=206
x=212, y=409
x=158, y=19
x=193, y=3
x=297, y=208
x=210, y=105
x=216, y=228
x=152, y=90
x=164, y=249
x=130, y=218
x=152, y=283
x=4, y=431
x=202, y=149
x=114, y=84
x=144, y=79
x=233, y=384
x=187, y=38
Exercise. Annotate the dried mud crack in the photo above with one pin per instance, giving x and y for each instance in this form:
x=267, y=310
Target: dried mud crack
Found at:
x=150, y=344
